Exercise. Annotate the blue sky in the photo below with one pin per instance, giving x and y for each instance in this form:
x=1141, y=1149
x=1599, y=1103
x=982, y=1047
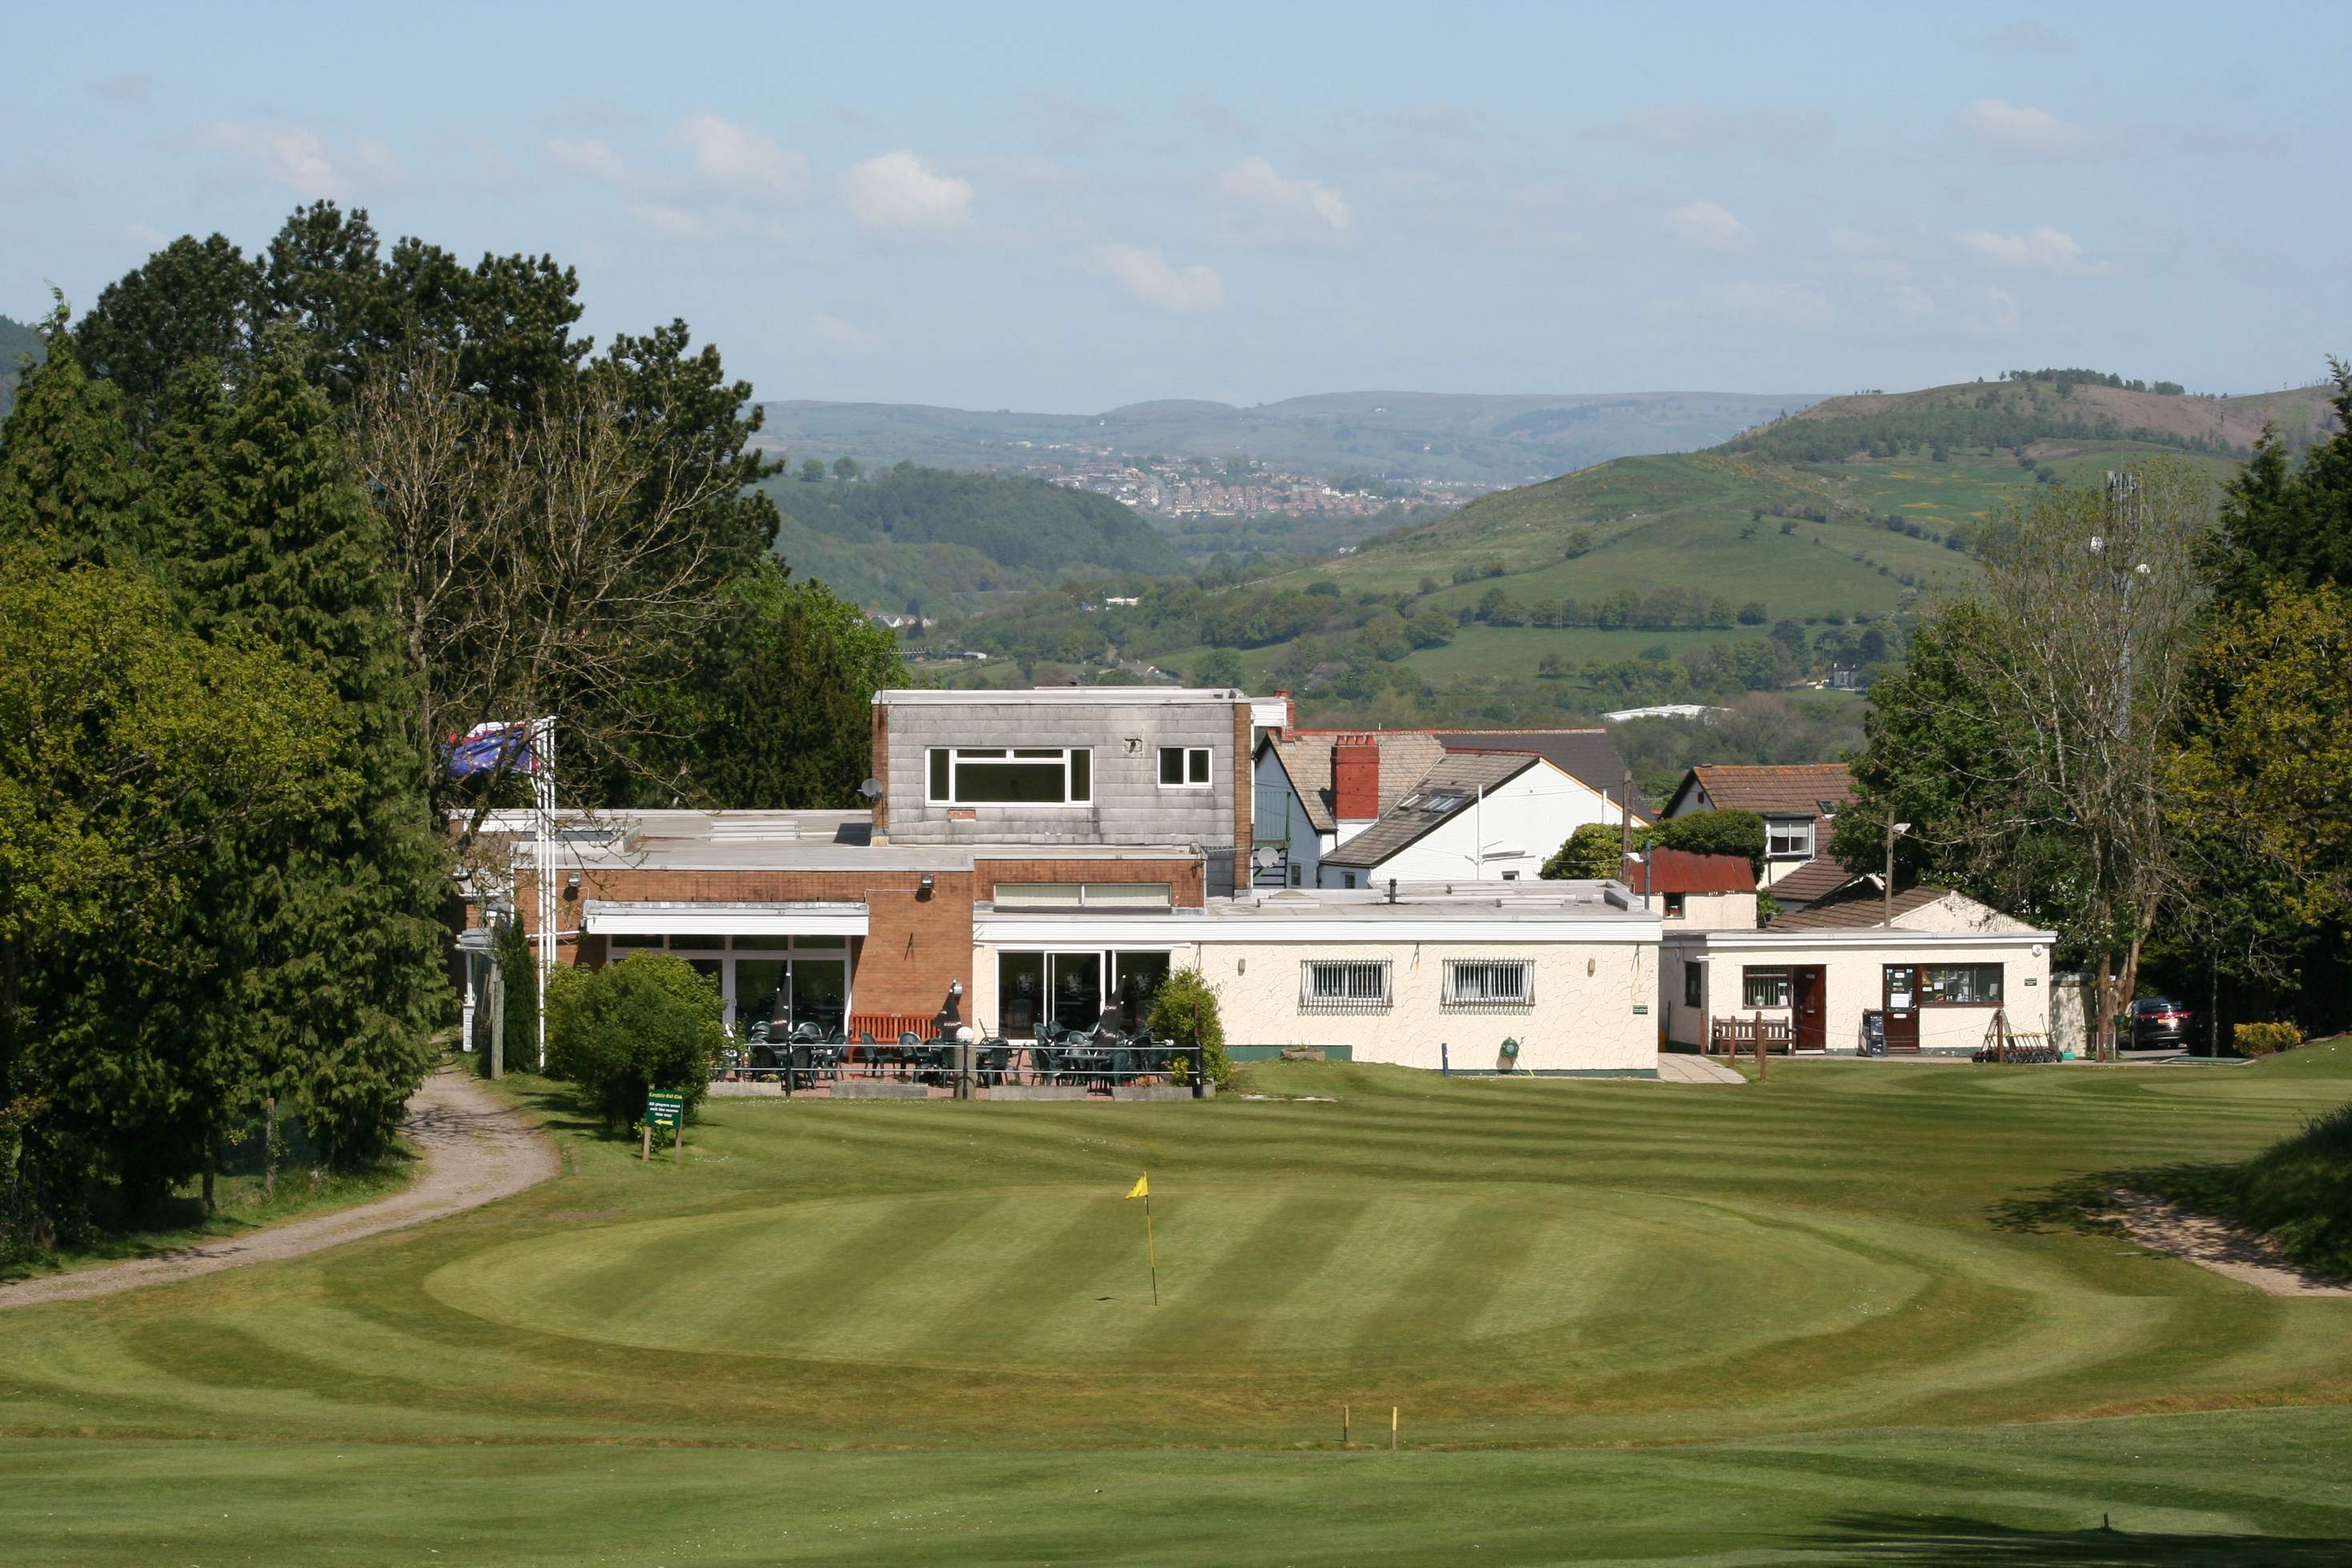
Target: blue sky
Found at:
x=1068, y=208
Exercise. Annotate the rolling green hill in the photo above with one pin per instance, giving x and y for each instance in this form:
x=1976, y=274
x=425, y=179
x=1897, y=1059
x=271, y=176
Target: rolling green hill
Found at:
x=16, y=340
x=935, y=537
x=1502, y=440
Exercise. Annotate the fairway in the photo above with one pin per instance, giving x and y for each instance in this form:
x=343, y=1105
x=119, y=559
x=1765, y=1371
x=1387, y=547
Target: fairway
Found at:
x=1777, y=1282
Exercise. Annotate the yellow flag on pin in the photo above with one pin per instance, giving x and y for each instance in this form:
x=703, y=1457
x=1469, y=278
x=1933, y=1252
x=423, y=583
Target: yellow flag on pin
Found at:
x=1143, y=1188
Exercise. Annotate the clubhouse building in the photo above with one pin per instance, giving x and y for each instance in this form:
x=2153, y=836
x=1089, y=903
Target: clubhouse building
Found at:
x=1046, y=856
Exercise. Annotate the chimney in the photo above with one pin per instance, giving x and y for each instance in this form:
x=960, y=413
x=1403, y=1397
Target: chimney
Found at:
x=1283, y=697
x=1355, y=778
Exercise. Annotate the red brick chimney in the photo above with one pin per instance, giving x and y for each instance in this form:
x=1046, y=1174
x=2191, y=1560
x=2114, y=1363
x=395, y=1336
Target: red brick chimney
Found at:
x=1355, y=778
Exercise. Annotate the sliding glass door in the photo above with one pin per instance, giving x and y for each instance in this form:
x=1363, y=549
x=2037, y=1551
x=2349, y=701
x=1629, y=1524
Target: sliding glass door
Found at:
x=1076, y=988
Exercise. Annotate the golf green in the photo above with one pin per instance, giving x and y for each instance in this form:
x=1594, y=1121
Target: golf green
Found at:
x=1858, y=1287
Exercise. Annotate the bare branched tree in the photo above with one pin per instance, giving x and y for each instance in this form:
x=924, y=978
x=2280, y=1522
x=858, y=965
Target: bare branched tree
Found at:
x=2082, y=662
x=540, y=561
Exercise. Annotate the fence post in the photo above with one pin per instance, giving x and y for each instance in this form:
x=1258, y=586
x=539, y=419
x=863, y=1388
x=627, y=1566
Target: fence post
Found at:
x=1760, y=1047
x=1199, y=1063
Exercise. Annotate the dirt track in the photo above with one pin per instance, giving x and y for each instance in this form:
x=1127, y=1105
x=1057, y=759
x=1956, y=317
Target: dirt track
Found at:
x=474, y=1150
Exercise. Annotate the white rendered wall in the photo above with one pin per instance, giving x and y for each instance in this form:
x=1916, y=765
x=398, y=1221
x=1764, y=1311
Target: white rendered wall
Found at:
x=1854, y=975
x=1520, y=825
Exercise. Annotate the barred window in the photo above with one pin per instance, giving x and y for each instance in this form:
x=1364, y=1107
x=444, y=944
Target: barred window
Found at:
x=1343, y=985
x=1763, y=988
x=1489, y=983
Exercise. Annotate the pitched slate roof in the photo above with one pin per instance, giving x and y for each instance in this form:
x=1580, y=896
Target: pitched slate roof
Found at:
x=1812, y=882
x=1688, y=871
x=1772, y=789
x=1854, y=908
x=1588, y=756
x=1444, y=793
x=1306, y=754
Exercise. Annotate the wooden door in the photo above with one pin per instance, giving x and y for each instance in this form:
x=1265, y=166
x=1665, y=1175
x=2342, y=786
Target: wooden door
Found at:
x=1901, y=999
x=1808, y=1007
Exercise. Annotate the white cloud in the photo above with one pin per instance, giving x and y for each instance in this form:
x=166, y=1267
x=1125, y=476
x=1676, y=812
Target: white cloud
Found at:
x=1995, y=315
x=2029, y=35
x=1759, y=304
x=590, y=159
x=671, y=223
x=2045, y=249
x=900, y=192
x=1281, y=207
x=298, y=158
x=2024, y=131
x=147, y=235
x=1148, y=276
x=741, y=160
x=839, y=336
x=1709, y=227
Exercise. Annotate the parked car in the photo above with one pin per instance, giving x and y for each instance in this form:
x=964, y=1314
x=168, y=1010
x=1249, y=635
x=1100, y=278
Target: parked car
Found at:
x=2157, y=1024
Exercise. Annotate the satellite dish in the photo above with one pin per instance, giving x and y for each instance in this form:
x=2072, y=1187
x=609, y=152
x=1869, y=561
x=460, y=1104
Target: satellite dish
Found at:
x=871, y=789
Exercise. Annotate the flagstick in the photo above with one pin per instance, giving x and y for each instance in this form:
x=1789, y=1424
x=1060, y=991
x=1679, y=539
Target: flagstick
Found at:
x=1150, y=1249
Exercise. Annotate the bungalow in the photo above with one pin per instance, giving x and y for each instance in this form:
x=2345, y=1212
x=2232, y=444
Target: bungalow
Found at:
x=1939, y=965
x=1798, y=803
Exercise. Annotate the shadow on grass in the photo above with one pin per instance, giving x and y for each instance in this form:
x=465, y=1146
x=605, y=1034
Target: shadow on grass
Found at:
x=1890, y=1538
x=2085, y=1204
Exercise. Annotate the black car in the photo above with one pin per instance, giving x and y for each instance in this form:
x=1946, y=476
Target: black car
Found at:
x=2157, y=1024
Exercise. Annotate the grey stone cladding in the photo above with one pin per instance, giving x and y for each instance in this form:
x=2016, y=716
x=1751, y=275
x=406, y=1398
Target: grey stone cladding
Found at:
x=1129, y=805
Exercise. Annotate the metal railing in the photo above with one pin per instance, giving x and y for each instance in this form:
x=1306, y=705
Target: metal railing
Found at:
x=811, y=1058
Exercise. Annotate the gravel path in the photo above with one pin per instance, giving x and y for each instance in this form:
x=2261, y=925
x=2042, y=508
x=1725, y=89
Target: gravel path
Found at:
x=2236, y=1254
x=474, y=1150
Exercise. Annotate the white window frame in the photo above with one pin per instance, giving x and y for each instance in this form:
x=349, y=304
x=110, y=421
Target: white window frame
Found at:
x=1200, y=759
x=1467, y=976
x=1042, y=755
x=1346, y=984
x=1776, y=827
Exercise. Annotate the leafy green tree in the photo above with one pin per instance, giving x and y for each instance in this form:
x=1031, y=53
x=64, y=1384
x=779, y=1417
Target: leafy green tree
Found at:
x=812, y=470
x=1715, y=832
x=1186, y=1003
x=281, y=546
x=650, y=1022
x=1219, y=667
x=1594, y=850
x=844, y=468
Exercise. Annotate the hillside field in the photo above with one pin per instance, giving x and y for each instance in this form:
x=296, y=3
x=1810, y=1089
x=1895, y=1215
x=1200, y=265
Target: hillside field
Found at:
x=1846, y=1314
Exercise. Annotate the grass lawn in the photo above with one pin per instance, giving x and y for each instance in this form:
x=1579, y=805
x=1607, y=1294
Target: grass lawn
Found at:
x=1844, y=1315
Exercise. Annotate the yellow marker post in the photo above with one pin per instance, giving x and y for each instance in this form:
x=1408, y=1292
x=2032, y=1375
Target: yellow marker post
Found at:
x=1142, y=1189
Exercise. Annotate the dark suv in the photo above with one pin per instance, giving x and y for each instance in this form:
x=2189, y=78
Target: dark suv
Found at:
x=2158, y=1025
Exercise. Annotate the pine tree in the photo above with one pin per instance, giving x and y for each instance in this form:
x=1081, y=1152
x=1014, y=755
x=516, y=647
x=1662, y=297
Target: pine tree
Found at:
x=70, y=478
x=280, y=546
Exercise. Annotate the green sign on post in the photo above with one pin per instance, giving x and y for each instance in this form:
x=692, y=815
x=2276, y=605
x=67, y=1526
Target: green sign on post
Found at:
x=664, y=1108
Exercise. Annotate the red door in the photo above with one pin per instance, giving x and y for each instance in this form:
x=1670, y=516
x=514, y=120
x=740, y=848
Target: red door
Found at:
x=1901, y=997
x=1808, y=984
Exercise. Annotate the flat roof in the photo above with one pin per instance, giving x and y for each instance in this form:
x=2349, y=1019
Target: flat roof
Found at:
x=1590, y=911
x=1117, y=696
x=676, y=840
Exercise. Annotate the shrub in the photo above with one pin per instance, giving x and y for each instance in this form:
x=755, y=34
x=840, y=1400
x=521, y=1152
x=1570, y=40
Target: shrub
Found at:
x=1718, y=832
x=1185, y=1001
x=651, y=1021
x=510, y=950
x=1594, y=850
x=2263, y=1038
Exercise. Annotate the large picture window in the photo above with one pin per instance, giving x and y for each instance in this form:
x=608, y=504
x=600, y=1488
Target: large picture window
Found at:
x=1962, y=985
x=1343, y=985
x=1763, y=988
x=1078, y=990
x=1011, y=776
x=1489, y=983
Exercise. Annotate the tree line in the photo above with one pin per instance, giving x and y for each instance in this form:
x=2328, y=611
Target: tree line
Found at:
x=274, y=528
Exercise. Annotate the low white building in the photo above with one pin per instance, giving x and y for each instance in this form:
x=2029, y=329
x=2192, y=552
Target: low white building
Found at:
x=1939, y=969
x=1556, y=979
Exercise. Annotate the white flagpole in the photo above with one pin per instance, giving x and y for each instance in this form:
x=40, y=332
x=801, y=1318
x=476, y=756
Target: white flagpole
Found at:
x=542, y=794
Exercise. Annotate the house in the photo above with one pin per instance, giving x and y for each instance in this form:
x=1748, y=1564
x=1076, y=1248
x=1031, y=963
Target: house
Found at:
x=1938, y=963
x=1479, y=816
x=1798, y=804
x=1697, y=891
x=1046, y=856
x=1316, y=789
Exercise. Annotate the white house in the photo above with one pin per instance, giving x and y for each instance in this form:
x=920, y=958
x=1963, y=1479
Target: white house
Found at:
x=1939, y=969
x=1485, y=816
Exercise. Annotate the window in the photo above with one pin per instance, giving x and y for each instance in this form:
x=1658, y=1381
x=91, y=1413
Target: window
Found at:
x=1297, y=875
x=1763, y=988
x=1694, y=985
x=1489, y=983
x=1183, y=767
x=1962, y=985
x=1017, y=776
x=1347, y=879
x=1675, y=906
x=1068, y=989
x=1343, y=985
x=1082, y=895
x=1788, y=837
